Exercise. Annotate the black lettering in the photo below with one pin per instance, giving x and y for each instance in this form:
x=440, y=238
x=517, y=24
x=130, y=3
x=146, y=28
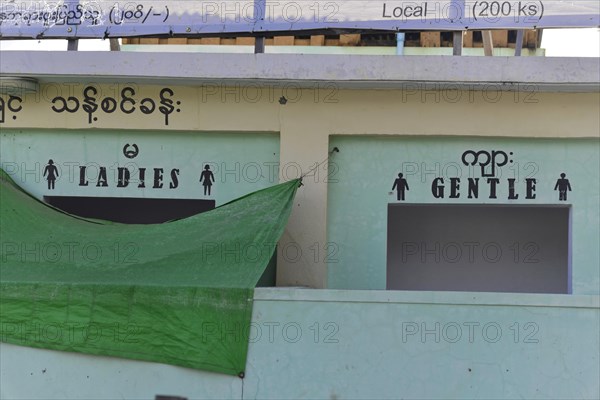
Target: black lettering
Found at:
x=383, y=15
x=82, y=180
x=75, y=102
x=437, y=188
x=89, y=101
x=166, y=107
x=530, y=188
x=473, y=188
x=493, y=182
x=102, y=180
x=142, y=178
x=454, y=186
x=511, y=190
x=158, y=177
x=57, y=109
x=532, y=10
x=123, y=177
x=147, y=106
x=174, y=181
x=125, y=98
x=109, y=105
x=12, y=107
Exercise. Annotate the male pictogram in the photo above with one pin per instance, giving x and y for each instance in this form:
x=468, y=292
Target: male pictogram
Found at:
x=401, y=186
x=562, y=185
x=52, y=172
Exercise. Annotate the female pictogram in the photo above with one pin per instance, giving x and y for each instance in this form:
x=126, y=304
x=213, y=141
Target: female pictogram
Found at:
x=207, y=178
x=52, y=173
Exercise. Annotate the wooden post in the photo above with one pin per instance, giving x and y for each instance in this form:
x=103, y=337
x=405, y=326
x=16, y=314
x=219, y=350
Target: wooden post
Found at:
x=349, y=40
x=317, y=40
x=430, y=39
x=500, y=38
x=283, y=40
x=531, y=39
x=468, y=39
x=244, y=41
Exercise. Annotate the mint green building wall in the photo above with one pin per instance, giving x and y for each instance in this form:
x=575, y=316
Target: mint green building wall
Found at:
x=365, y=169
x=329, y=344
x=241, y=162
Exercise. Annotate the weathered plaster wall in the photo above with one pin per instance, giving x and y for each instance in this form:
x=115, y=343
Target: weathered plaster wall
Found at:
x=309, y=344
x=305, y=120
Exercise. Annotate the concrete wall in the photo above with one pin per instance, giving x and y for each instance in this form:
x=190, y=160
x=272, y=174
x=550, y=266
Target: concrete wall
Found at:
x=241, y=163
x=361, y=193
x=305, y=120
x=353, y=344
x=307, y=344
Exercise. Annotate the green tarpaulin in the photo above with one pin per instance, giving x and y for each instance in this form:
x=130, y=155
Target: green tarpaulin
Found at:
x=177, y=293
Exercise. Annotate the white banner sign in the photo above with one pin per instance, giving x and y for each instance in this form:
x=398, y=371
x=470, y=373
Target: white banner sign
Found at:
x=101, y=19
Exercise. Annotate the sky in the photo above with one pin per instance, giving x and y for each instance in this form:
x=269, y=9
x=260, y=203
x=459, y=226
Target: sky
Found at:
x=557, y=42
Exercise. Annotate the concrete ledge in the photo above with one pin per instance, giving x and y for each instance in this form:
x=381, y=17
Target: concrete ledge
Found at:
x=441, y=298
x=368, y=72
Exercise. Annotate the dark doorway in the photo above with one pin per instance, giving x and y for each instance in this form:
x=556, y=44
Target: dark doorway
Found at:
x=130, y=210
x=481, y=248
